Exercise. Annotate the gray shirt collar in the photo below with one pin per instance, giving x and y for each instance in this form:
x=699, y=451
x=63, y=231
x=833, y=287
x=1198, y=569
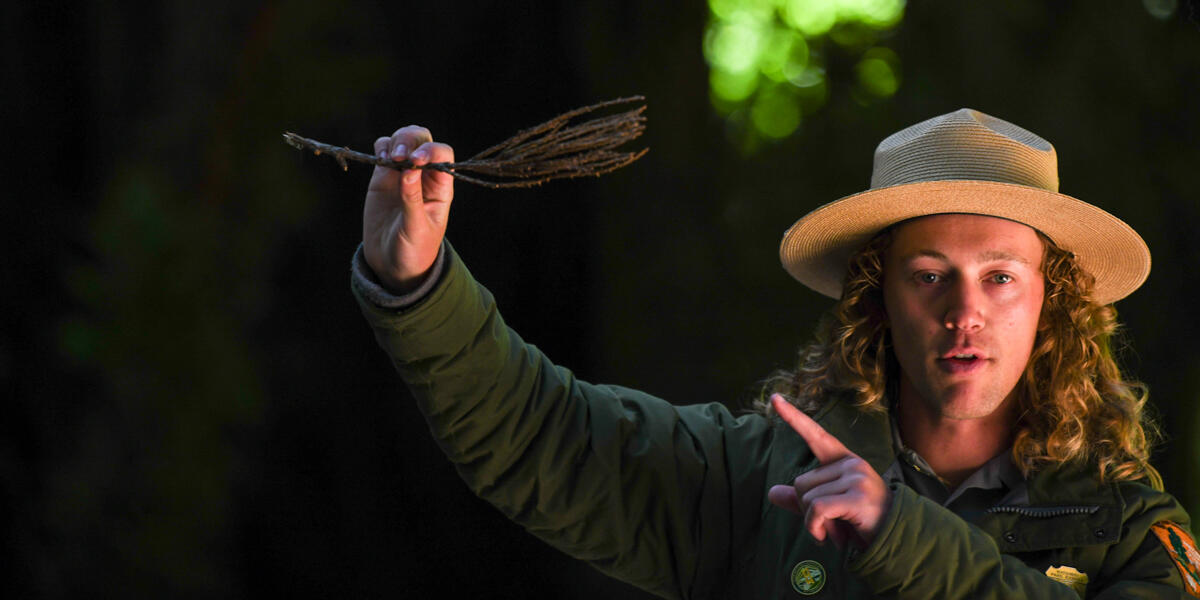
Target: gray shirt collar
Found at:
x=998, y=481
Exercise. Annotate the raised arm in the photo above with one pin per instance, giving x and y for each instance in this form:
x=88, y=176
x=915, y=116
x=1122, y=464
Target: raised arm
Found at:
x=641, y=489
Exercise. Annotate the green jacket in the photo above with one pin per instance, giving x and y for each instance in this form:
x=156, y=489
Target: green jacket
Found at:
x=673, y=498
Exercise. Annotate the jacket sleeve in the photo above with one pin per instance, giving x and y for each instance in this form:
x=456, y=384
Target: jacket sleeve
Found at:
x=925, y=551
x=638, y=487
x=1141, y=566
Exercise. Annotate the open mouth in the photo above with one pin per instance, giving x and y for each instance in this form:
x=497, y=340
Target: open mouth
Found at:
x=960, y=363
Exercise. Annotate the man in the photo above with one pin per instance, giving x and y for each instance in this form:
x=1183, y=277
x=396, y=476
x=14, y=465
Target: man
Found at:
x=964, y=433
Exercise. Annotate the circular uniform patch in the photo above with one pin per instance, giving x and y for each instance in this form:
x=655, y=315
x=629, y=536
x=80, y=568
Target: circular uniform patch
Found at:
x=808, y=577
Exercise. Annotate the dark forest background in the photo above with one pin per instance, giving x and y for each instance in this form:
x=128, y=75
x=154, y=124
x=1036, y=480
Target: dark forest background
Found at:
x=193, y=406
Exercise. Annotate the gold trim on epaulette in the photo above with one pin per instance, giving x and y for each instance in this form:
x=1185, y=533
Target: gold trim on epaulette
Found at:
x=1070, y=577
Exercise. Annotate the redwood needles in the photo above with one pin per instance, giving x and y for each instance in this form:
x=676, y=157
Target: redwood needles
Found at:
x=556, y=149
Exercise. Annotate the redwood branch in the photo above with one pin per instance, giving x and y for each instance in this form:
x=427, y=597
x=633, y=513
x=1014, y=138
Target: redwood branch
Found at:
x=554, y=149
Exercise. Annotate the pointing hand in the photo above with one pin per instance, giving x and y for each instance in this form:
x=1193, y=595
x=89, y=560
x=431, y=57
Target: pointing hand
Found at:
x=844, y=498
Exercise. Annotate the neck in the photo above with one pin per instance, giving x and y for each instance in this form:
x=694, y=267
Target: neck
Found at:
x=955, y=448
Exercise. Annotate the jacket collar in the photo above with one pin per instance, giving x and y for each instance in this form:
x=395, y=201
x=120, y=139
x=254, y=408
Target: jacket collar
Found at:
x=1067, y=504
x=868, y=434
x=865, y=433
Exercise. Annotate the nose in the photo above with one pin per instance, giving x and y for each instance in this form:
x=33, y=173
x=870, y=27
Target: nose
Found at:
x=964, y=308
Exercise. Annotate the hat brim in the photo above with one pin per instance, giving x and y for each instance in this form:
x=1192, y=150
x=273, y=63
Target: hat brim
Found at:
x=816, y=249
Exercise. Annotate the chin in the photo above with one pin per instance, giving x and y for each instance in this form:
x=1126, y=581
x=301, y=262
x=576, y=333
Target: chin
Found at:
x=961, y=399
x=966, y=414
x=969, y=408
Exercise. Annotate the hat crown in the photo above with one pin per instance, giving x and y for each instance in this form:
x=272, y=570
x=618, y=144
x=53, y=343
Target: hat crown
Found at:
x=965, y=145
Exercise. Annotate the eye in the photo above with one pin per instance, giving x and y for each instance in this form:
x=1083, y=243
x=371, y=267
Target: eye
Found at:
x=928, y=277
x=1002, y=278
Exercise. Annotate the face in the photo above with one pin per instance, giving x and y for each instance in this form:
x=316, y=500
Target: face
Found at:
x=963, y=295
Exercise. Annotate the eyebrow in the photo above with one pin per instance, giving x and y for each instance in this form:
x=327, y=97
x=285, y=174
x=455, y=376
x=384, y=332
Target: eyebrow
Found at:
x=983, y=257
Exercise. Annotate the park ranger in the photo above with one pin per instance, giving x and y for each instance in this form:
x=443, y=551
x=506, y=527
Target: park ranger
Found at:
x=958, y=429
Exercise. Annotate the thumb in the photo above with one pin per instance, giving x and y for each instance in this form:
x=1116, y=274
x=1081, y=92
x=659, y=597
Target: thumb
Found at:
x=824, y=446
x=412, y=196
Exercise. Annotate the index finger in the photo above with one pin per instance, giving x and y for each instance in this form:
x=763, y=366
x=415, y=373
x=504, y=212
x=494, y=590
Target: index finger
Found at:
x=824, y=446
x=436, y=186
x=406, y=139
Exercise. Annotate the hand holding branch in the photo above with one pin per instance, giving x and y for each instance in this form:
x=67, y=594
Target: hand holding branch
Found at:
x=405, y=214
x=844, y=498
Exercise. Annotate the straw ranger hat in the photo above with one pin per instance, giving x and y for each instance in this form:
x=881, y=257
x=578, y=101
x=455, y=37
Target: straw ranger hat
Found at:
x=965, y=162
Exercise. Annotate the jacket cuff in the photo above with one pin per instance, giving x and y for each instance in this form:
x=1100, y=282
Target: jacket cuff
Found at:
x=365, y=282
x=858, y=560
x=442, y=323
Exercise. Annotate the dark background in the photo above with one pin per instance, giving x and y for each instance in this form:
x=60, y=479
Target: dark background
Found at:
x=195, y=408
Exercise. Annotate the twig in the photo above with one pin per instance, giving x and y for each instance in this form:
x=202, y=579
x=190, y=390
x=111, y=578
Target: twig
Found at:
x=551, y=150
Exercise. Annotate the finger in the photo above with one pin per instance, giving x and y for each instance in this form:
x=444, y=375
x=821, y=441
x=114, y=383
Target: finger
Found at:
x=824, y=514
x=417, y=158
x=411, y=192
x=383, y=178
x=437, y=186
x=383, y=146
x=404, y=142
x=841, y=485
x=437, y=152
x=407, y=139
x=823, y=445
x=785, y=497
x=826, y=529
x=432, y=152
x=841, y=532
x=816, y=477
x=846, y=472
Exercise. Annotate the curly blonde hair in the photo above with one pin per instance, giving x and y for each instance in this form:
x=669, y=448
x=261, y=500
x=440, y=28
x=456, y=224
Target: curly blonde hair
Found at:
x=1074, y=403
